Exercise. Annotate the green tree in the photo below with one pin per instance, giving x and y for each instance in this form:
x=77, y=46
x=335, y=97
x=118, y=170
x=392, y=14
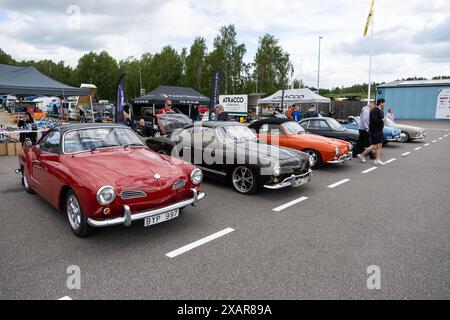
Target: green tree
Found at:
x=228, y=55
x=167, y=67
x=99, y=69
x=272, y=65
x=195, y=72
x=6, y=58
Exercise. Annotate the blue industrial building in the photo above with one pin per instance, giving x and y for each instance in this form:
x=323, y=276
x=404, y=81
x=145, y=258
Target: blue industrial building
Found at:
x=417, y=100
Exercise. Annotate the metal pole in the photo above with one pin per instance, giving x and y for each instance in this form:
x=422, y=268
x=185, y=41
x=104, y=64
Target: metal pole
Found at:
x=370, y=63
x=140, y=80
x=318, y=68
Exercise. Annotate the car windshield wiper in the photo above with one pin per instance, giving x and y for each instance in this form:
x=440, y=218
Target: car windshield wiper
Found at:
x=105, y=146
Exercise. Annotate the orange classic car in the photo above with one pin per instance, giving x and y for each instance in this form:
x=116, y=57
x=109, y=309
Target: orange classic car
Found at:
x=290, y=134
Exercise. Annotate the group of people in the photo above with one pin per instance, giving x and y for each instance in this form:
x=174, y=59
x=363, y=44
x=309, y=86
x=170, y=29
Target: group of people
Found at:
x=371, y=135
x=294, y=114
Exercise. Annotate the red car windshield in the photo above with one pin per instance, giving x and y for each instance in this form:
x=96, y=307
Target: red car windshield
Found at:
x=88, y=139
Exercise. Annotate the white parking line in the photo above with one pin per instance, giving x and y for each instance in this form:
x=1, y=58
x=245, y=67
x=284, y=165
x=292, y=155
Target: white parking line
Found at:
x=428, y=144
x=417, y=149
x=440, y=138
x=406, y=154
x=390, y=161
x=337, y=184
x=434, y=141
x=370, y=170
x=198, y=243
x=290, y=204
x=65, y=298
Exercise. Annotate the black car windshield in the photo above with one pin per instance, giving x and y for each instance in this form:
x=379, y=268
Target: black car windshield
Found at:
x=88, y=139
x=334, y=124
x=235, y=133
x=292, y=128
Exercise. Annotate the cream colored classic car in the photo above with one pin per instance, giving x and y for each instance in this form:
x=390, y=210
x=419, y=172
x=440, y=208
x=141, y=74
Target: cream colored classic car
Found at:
x=410, y=132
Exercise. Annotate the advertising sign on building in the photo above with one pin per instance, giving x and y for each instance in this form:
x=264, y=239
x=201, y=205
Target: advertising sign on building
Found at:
x=443, y=104
x=235, y=105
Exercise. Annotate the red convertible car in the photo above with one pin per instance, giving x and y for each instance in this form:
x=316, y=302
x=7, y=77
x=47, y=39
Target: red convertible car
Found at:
x=102, y=175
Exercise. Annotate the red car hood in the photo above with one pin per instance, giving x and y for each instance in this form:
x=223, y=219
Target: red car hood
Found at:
x=317, y=138
x=119, y=165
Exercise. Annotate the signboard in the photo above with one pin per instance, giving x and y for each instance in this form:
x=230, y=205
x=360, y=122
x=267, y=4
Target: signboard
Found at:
x=120, y=99
x=235, y=105
x=215, y=91
x=443, y=104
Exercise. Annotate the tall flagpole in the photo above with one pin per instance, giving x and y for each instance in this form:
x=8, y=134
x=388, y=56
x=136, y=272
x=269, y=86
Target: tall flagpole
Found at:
x=370, y=63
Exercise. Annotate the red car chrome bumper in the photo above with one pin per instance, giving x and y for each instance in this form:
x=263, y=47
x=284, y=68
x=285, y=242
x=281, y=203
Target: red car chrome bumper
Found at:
x=128, y=217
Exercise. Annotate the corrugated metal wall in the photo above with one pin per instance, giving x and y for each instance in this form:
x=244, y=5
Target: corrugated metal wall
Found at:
x=415, y=103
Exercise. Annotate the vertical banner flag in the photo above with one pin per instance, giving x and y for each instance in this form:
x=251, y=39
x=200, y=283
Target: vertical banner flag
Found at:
x=443, y=104
x=215, y=91
x=120, y=99
x=369, y=19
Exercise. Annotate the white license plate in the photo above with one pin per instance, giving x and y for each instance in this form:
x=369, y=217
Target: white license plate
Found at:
x=300, y=182
x=160, y=218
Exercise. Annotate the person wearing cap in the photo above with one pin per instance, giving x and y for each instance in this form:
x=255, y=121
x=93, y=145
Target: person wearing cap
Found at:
x=167, y=107
x=221, y=114
x=312, y=112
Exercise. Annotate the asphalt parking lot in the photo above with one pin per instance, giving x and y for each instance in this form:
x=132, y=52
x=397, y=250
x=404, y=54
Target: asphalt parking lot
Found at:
x=315, y=242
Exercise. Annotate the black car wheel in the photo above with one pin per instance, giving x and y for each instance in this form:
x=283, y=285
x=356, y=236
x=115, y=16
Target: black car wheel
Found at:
x=244, y=180
x=407, y=137
x=316, y=158
x=77, y=220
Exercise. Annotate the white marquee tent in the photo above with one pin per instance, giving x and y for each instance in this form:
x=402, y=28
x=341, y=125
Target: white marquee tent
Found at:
x=295, y=96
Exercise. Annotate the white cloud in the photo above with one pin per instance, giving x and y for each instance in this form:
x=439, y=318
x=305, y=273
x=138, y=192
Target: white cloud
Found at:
x=409, y=35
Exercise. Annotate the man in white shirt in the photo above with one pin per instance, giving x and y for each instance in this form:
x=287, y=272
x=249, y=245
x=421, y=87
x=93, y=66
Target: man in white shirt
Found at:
x=364, y=135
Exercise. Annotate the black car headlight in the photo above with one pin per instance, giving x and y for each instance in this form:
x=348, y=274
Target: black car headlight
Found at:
x=197, y=176
x=106, y=195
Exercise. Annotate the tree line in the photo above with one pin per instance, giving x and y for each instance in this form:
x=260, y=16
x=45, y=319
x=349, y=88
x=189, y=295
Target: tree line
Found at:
x=269, y=71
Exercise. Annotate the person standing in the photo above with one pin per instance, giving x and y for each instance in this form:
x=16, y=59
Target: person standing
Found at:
x=289, y=112
x=26, y=123
x=312, y=112
x=364, y=135
x=376, y=133
x=297, y=115
x=221, y=114
x=390, y=115
x=167, y=107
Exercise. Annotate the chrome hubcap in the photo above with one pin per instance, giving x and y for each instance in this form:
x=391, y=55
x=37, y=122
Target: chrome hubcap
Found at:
x=73, y=212
x=243, y=179
x=25, y=182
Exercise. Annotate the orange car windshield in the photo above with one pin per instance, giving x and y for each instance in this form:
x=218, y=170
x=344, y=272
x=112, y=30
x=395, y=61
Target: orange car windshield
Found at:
x=292, y=128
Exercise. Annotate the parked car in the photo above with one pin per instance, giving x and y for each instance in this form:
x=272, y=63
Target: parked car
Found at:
x=102, y=175
x=410, y=132
x=230, y=152
x=390, y=134
x=331, y=128
x=290, y=134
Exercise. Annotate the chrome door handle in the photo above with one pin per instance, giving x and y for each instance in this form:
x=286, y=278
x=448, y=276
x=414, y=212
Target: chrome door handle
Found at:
x=35, y=162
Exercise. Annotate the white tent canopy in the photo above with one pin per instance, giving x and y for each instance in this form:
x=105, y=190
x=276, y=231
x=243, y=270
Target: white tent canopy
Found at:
x=295, y=96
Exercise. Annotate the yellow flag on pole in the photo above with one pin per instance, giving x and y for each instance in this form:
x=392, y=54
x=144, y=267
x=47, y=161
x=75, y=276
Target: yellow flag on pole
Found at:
x=369, y=18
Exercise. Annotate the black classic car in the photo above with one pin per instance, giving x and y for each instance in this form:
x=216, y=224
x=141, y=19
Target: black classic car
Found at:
x=331, y=128
x=231, y=152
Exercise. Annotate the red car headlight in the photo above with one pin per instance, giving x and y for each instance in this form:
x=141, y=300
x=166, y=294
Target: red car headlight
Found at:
x=197, y=176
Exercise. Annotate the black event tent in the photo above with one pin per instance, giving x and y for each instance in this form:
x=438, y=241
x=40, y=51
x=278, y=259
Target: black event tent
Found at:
x=27, y=81
x=178, y=95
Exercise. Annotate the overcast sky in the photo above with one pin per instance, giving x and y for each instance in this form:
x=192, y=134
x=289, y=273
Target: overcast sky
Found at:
x=412, y=38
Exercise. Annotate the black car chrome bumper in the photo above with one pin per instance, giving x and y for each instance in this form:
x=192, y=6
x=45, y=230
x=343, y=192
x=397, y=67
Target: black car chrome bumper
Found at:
x=128, y=217
x=343, y=159
x=292, y=181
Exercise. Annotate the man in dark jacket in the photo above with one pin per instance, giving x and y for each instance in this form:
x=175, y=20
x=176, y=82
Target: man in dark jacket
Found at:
x=221, y=114
x=376, y=133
